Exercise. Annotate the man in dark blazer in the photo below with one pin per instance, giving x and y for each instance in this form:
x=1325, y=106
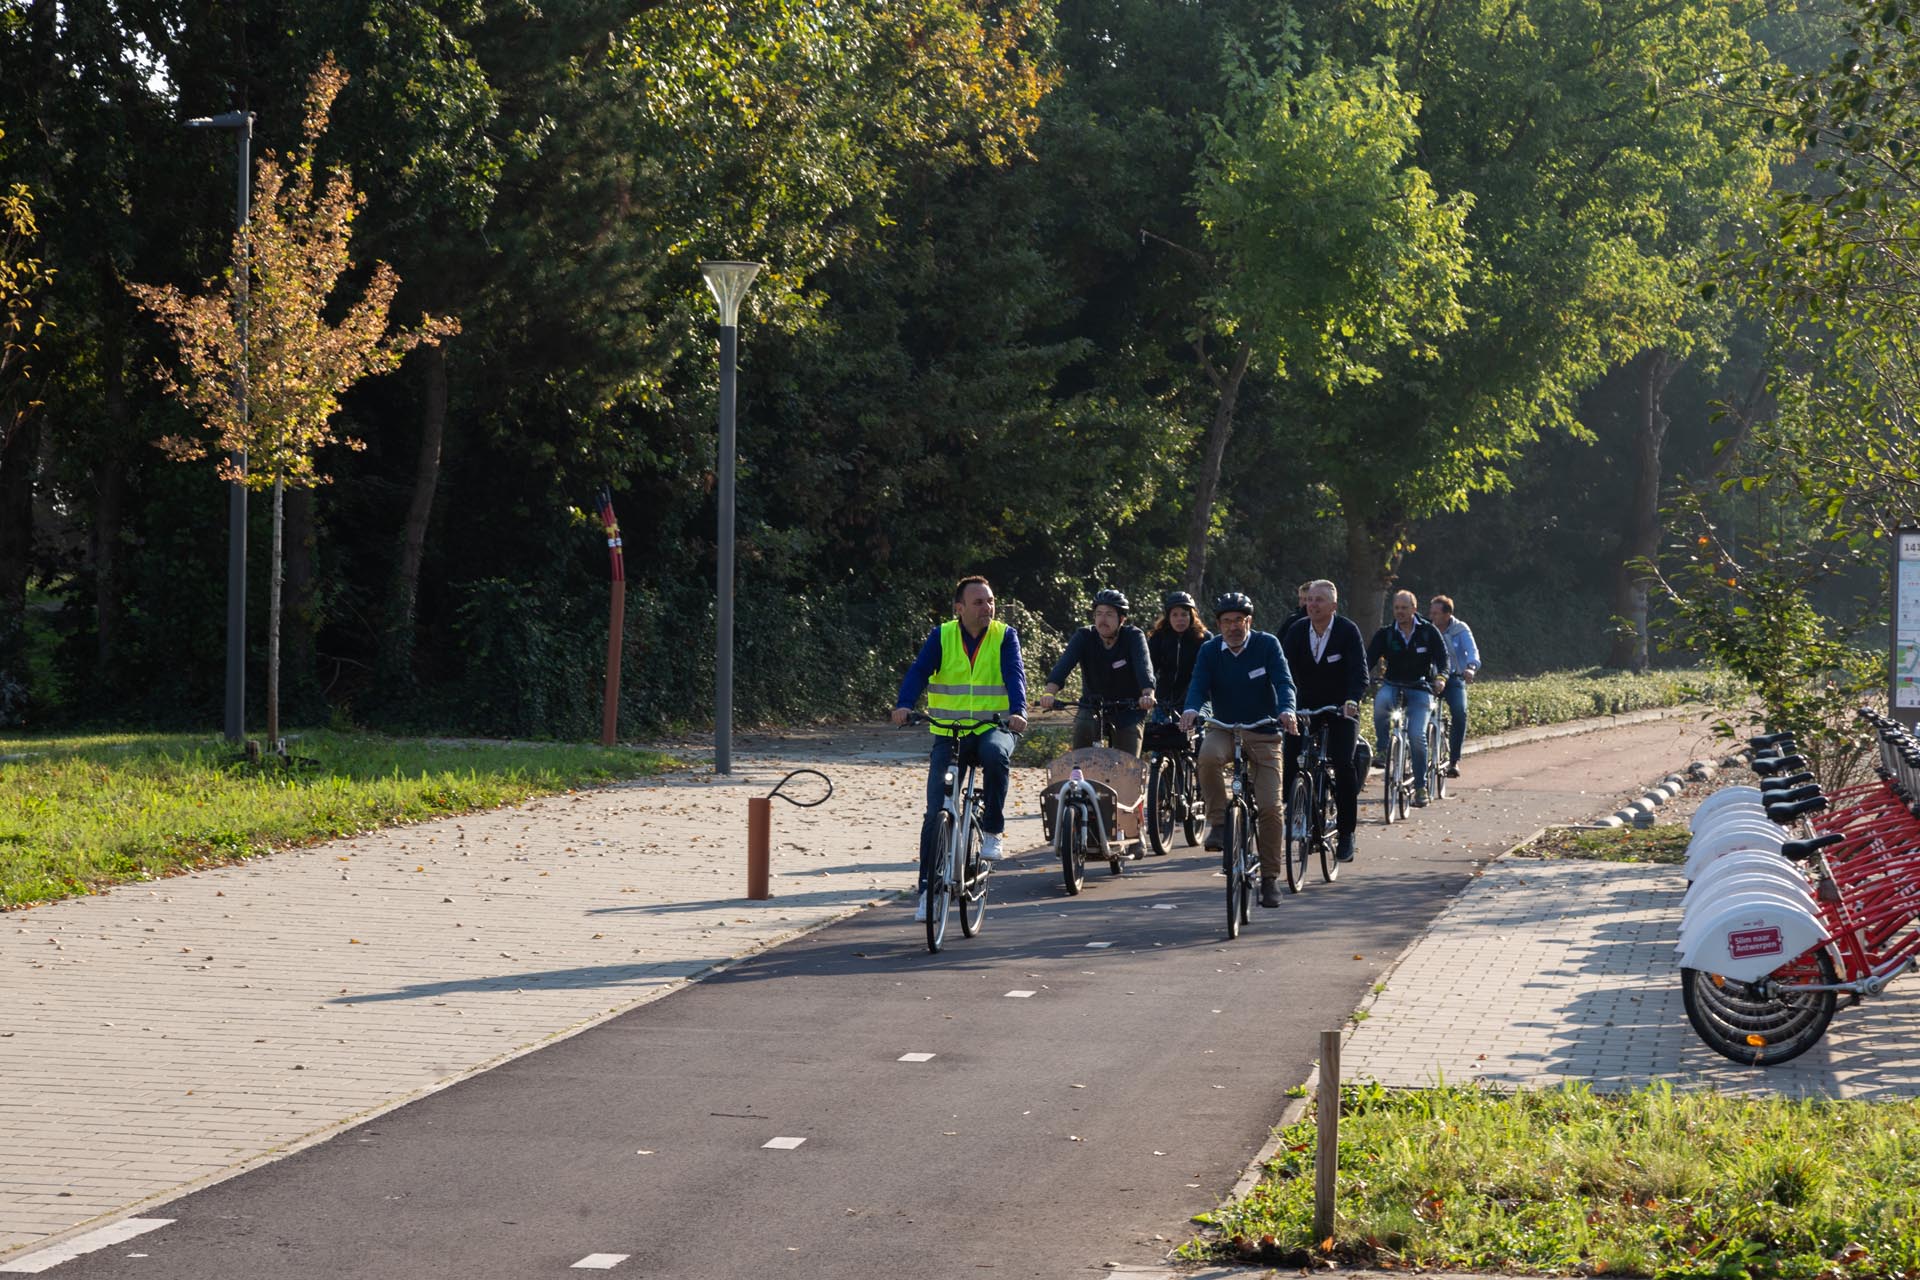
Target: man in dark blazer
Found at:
x=1329, y=664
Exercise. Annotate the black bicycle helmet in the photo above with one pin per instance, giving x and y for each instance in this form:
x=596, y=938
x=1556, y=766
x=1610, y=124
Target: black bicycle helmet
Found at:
x=1232, y=602
x=1111, y=597
x=1179, y=600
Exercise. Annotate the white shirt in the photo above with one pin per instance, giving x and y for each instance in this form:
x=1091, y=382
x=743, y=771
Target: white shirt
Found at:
x=1317, y=640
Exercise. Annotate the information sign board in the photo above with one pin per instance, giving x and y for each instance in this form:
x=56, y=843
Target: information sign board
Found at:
x=1904, y=690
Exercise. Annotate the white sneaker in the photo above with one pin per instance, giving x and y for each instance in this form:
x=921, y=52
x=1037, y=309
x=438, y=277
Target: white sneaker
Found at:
x=920, y=912
x=992, y=847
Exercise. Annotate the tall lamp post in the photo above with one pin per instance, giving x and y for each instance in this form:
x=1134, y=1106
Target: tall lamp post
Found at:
x=728, y=281
x=241, y=122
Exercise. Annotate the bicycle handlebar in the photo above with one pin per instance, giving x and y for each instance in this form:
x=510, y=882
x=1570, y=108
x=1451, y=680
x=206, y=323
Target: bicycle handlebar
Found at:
x=1269, y=725
x=1102, y=704
x=1318, y=711
x=956, y=726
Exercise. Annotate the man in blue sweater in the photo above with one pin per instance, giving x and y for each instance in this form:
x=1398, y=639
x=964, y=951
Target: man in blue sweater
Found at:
x=1244, y=675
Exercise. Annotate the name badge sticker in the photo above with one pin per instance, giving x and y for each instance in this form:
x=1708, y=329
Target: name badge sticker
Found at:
x=1420, y=649
x=1118, y=663
x=1332, y=657
x=1256, y=673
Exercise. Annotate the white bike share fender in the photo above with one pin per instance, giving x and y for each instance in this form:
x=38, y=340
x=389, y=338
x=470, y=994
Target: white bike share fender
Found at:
x=1720, y=799
x=1749, y=938
x=1742, y=862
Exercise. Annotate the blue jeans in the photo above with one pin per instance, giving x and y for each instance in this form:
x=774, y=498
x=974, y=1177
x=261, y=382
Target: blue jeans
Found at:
x=1456, y=696
x=1419, y=703
x=993, y=750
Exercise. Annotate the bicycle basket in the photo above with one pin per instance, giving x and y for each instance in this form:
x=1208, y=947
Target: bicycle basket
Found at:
x=1167, y=738
x=1050, y=807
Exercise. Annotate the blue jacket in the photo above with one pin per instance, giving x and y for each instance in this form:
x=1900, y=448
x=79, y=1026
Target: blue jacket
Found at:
x=1462, y=653
x=1245, y=688
x=928, y=662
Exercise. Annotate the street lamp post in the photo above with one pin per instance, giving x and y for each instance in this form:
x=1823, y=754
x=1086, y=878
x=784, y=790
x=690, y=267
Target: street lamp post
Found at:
x=728, y=281
x=241, y=122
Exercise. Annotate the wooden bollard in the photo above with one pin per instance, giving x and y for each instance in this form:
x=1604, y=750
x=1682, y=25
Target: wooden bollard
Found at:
x=1326, y=1146
x=759, y=831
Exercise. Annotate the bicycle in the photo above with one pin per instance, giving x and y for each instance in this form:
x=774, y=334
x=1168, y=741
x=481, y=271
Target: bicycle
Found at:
x=1439, y=747
x=1310, y=802
x=1398, y=764
x=1173, y=786
x=959, y=874
x=1088, y=815
x=1239, y=850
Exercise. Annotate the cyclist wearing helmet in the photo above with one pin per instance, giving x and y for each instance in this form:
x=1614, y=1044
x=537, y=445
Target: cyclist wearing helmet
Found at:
x=1244, y=674
x=1114, y=666
x=1173, y=645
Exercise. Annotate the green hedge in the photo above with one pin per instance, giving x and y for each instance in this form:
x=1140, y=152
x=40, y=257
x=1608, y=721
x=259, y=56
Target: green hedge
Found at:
x=1559, y=696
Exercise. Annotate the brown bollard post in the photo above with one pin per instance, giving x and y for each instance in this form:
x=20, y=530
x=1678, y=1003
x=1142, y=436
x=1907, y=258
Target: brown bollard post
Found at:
x=1326, y=1147
x=759, y=830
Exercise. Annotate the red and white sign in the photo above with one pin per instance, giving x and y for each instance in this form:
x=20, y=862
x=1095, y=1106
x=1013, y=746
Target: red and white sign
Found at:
x=1742, y=943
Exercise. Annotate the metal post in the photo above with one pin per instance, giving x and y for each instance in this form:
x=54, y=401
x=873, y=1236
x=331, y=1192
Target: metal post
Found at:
x=759, y=838
x=1326, y=1147
x=723, y=652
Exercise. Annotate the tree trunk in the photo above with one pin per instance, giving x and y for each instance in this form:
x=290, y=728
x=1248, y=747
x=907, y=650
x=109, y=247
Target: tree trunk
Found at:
x=302, y=662
x=18, y=457
x=1227, y=385
x=273, y=615
x=397, y=645
x=1373, y=556
x=1641, y=531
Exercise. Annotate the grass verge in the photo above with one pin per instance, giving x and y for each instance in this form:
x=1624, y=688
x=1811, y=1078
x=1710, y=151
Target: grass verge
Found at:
x=1666, y=843
x=81, y=813
x=1652, y=1183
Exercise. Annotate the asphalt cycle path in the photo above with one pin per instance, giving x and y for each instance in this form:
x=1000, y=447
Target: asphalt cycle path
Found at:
x=1061, y=1092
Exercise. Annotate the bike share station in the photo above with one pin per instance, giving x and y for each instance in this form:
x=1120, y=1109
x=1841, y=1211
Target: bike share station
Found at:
x=1797, y=895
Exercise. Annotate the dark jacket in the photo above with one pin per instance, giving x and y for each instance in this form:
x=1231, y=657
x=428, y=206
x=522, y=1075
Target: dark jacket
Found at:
x=1408, y=660
x=1124, y=671
x=1341, y=674
x=1173, y=653
x=1245, y=687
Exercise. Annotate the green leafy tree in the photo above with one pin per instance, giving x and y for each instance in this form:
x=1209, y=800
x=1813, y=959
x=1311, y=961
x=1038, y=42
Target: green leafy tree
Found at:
x=24, y=278
x=267, y=331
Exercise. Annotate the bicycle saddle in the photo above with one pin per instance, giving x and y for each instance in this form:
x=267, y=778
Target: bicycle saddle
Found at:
x=1768, y=766
x=1785, y=813
x=1766, y=740
x=1788, y=783
x=1801, y=850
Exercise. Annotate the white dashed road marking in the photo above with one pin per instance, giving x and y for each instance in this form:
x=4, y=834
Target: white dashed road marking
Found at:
x=1019, y=995
x=1095, y=946
x=112, y=1233
x=602, y=1261
x=782, y=1144
x=915, y=1057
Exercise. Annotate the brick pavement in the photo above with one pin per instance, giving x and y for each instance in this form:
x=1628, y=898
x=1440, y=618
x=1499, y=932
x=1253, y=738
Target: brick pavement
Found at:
x=173, y=1032
x=1544, y=972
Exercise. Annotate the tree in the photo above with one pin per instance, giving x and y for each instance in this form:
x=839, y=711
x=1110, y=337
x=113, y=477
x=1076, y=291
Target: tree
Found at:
x=1578, y=129
x=23, y=281
x=266, y=332
x=1331, y=249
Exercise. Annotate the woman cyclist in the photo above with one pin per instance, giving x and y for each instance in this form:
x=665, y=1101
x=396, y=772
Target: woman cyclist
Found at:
x=1173, y=644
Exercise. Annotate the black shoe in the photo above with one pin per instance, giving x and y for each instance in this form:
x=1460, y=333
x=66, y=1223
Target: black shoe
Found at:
x=1343, y=848
x=1216, y=842
x=1453, y=771
x=1420, y=797
x=1269, y=891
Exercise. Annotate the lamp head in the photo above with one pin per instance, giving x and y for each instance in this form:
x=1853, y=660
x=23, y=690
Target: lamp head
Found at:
x=728, y=281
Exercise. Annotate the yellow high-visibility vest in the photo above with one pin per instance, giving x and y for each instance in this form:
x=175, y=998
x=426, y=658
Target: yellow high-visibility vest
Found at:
x=968, y=690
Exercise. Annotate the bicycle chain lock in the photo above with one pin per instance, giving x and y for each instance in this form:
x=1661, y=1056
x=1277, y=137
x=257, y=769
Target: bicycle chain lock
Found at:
x=760, y=832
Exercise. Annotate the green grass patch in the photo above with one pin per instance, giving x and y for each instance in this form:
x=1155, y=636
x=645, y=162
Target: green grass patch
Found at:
x=1560, y=696
x=80, y=813
x=1652, y=1183
x=1665, y=843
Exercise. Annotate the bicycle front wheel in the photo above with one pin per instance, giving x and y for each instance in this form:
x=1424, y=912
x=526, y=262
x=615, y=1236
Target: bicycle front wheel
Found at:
x=1443, y=754
x=1066, y=843
x=1160, y=806
x=973, y=887
x=1188, y=785
x=1391, y=787
x=1322, y=797
x=1299, y=832
x=1230, y=860
x=940, y=886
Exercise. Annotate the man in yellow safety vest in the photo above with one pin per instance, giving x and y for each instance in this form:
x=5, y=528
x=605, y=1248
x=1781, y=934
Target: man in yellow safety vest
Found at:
x=970, y=671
